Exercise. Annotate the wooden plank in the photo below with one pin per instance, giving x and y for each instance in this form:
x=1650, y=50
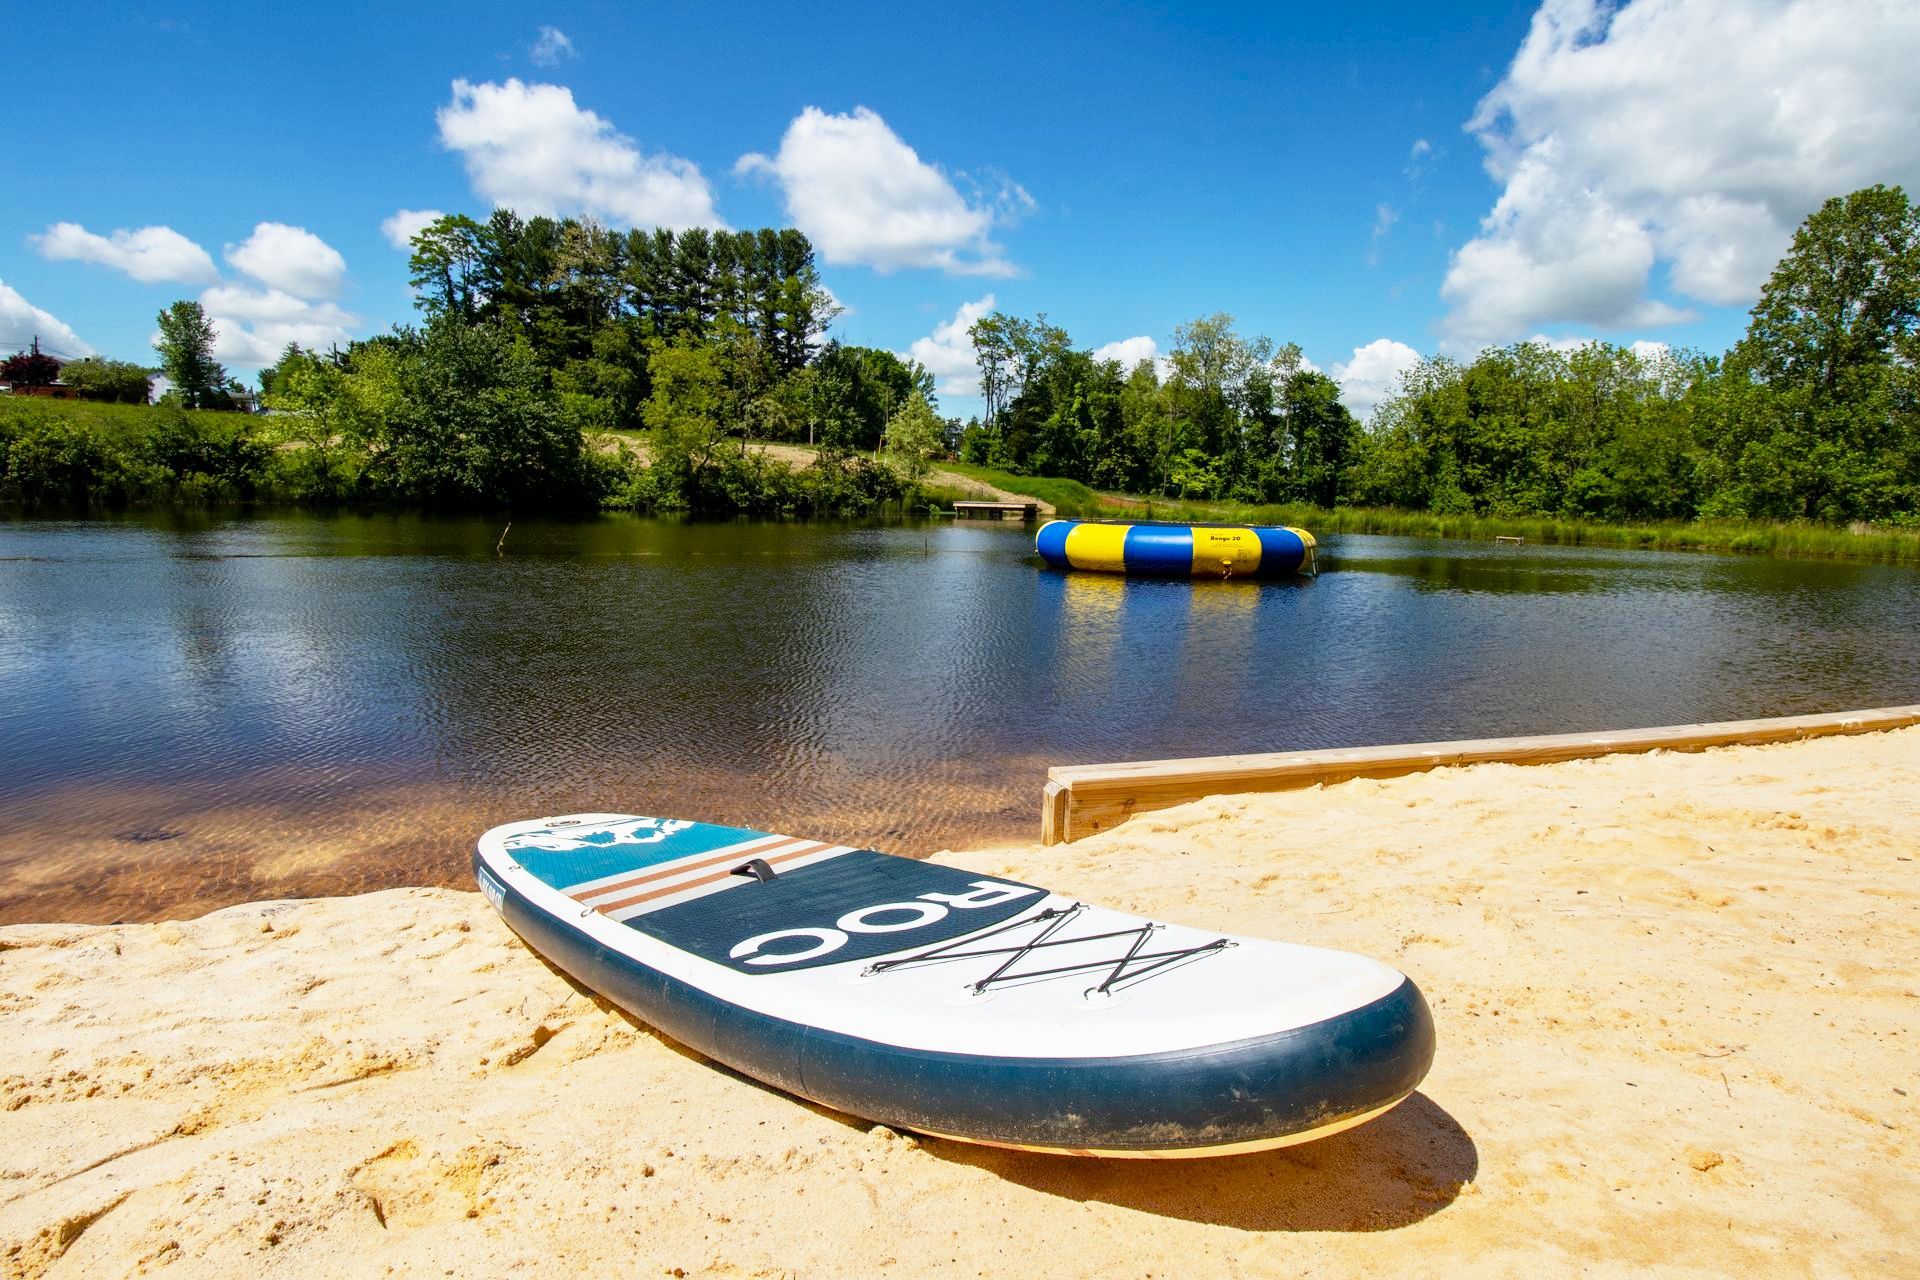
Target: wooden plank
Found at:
x=997, y=510
x=1082, y=799
x=1053, y=813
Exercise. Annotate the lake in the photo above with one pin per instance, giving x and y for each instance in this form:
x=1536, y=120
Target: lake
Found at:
x=199, y=711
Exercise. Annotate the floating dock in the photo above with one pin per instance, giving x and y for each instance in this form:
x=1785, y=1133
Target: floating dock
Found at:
x=996, y=510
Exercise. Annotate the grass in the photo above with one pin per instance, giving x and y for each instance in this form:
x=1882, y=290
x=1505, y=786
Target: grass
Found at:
x=118, y=421
x=1071, y=498
x=1068, y=497
x=1798, y=539
x=939, y=498
x=1753, y=537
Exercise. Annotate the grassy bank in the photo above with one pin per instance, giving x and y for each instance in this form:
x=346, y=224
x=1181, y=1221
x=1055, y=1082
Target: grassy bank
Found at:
x=120, y=422
x=113, y=454
x=1802, y=540
x=515, y=455
x=1068, y=497
x=1811, y=541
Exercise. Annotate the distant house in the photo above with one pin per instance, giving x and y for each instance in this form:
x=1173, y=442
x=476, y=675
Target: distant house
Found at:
x=245, y=400
x=55, y=390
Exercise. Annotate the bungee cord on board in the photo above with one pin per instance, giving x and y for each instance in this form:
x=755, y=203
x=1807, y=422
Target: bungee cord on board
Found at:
x=1055, y=919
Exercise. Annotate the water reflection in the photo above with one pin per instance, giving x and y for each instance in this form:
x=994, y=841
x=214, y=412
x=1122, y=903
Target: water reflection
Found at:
x=1449, y=573
x=196, y=710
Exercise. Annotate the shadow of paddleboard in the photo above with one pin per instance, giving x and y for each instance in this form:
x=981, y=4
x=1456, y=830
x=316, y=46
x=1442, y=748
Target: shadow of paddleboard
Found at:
x=1388, y=1173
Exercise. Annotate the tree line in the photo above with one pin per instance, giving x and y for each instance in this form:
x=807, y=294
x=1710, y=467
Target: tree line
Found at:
x=1814, y=414
x=707, y=340
x=539, y=334
x=1231, y=417
x=90, y=378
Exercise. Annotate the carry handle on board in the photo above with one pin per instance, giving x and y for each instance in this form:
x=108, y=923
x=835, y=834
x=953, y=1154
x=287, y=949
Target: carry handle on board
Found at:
x=757, y=868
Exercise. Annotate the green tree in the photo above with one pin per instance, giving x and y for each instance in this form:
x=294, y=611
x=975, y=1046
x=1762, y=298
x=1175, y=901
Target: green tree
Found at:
x=1318, y=435
x=1194, y=474
x=685, y=415
x=999, y=343
x=1835, y=342
x=1845, y=299
x=203, y=457
x=1138, y=457
x=461, y=416
x=185, y=345
x=1213, y=369
x=314, y=410
x=30, y=368
x=915, y=435
x=118, y=381
x=450, y=256
x=858, y=389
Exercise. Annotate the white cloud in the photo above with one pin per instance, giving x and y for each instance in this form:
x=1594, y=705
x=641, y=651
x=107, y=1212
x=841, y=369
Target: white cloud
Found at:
x=1550, y=254
x=21, y=322
x=1645, y=348
x=864, y=197
x=1372, y=374
x=252, y=326
x=291, y=259
x=530, y=148
x=1129, y=351
x=1384, y=216
x=1419, y=156
x=551, y=48
x=947, y=352
x=1681, y=132
x=150, y=254
x=405, y=224
x=1563, y=344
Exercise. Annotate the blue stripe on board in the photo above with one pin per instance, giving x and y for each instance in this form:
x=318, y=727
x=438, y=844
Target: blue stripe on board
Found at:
x=1051, y=542
x=1244, y=1091
x=811, y=905
x=564, y=856
x=1281, y=551
x=1155, y=548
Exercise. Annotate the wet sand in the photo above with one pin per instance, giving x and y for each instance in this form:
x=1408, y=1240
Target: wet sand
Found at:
x=1676, y=999
x=113, y=852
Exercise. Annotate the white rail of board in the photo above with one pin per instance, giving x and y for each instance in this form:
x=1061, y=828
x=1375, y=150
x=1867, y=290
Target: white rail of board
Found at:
x=1082, y=799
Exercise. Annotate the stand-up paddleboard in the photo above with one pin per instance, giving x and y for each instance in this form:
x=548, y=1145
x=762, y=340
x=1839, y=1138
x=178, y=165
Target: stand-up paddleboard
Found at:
x=956, y=1004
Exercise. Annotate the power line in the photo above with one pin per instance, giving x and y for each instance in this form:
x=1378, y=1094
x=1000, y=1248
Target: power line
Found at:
x=23, y=344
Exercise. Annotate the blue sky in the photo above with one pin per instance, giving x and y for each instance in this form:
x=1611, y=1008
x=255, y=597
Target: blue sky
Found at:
x=1369, y=183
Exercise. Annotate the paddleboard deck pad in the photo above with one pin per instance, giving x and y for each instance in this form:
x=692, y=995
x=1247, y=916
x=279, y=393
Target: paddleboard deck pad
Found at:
x=956, y=1004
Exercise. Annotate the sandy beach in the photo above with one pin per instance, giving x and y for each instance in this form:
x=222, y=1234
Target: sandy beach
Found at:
x=1676, y=994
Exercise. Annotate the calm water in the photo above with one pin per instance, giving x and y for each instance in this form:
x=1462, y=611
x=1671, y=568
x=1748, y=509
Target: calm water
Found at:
x=194, y=714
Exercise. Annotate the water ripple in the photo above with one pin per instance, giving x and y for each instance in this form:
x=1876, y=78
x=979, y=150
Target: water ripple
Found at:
x=196, y=712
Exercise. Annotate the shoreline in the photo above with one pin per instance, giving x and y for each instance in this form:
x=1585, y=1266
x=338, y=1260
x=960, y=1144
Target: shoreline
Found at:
x=1081, y=799
x=1675, y=1003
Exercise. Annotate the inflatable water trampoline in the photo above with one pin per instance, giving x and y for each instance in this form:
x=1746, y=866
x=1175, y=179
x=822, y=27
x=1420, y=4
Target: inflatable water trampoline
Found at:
x=1178, y=550
x=956, y=1004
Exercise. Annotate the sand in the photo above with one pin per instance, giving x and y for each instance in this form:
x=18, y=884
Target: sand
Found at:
x=1676, y=995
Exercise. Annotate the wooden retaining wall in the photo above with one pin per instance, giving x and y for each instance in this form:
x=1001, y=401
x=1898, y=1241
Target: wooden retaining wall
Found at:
x=1084, y=798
